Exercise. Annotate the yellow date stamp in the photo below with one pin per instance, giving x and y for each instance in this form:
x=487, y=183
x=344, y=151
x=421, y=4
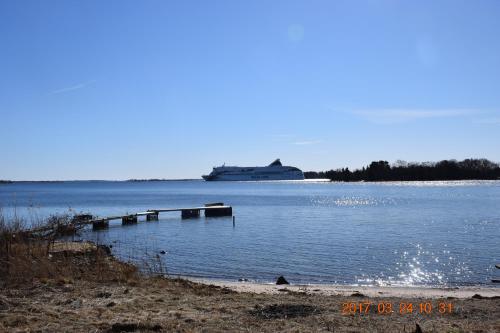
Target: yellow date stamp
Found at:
x=401, y=308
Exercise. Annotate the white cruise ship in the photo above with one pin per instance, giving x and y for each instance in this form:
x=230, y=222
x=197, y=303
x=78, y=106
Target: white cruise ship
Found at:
x=274, y=171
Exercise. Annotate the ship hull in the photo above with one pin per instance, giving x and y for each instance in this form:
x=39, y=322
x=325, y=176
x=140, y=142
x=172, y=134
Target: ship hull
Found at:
x=274, y=171
x=255, y=177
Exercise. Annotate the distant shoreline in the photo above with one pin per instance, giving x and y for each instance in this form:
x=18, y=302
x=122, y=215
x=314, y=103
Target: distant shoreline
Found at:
x=468, y=169
x=324, y=180
x=98, y=180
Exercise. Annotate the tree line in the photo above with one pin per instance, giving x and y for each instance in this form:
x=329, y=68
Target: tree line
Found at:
x=402, y=171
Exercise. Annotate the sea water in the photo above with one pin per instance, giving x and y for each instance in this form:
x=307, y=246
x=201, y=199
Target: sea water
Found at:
x=391, y=233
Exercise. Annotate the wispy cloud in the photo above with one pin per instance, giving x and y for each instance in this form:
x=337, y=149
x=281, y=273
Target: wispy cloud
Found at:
x=491, y=121
x=307, y=142
x=72, y=88
x=388, y=116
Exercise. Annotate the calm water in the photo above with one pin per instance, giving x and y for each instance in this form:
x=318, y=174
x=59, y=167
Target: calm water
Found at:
x=366, y=233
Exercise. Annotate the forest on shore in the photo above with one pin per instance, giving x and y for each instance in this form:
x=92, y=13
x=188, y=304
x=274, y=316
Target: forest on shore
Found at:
x=478, y=169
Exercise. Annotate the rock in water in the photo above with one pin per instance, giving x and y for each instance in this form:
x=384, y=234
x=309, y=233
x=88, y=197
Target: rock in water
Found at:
x=105, y=248
x=282, y=280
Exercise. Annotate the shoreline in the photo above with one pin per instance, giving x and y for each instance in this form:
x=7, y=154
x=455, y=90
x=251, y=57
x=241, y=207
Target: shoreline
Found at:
x=82, y=287
x=462, y=292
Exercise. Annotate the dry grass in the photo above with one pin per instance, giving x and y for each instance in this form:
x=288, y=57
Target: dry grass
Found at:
x=40, y=260
x=31, y=254
x=173, y=305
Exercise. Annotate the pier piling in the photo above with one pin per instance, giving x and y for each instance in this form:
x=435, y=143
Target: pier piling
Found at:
x=190, y=213
x=100, y=224
x=152, y=217
x=130, y=219
x=222, y=211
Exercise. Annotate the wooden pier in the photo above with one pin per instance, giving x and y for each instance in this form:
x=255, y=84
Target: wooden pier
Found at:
x=81, y=220
x=210, y=210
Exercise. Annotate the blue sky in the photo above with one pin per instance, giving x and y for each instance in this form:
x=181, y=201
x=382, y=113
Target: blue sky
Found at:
x=168, y=89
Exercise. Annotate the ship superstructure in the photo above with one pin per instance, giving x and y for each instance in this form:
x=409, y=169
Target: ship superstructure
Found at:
x=274, y=171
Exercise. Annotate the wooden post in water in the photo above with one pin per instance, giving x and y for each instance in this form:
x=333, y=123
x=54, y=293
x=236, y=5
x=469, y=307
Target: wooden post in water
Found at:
x=152, y=217
x=190, y=213
x=223, y=211
x=100, y=224
x=130, y=219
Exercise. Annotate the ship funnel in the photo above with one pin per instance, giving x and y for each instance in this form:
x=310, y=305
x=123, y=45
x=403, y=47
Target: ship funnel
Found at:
x=276, y=162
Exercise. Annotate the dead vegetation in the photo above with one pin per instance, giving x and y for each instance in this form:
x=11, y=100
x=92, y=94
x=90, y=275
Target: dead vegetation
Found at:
x=285, y=311
x=30, y=254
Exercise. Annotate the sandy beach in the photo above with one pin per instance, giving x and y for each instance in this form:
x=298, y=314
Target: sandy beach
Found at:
x=346, y=290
